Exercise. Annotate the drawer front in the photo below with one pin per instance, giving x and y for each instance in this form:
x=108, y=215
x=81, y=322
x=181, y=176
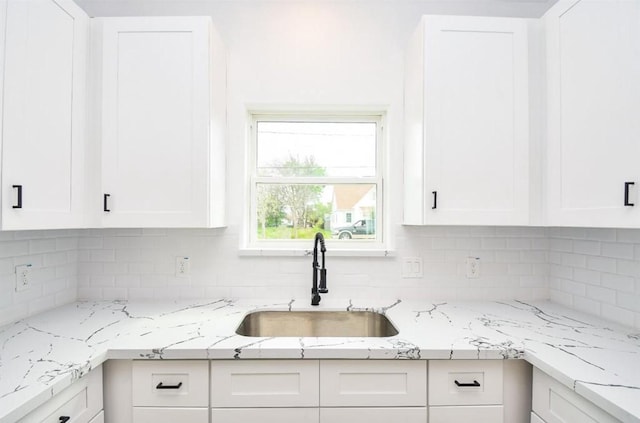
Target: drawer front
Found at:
x=265, y=415
x=475, y=414
x=80, y=401
x=373, y=415
x=373, y=383
x=170, y=383
x=170, y=415
x=555, y=403
x=264, y=383
x=465, y=382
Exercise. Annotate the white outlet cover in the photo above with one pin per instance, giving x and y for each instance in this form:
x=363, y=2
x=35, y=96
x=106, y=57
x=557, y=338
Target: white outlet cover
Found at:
x=183, y=267
x=23, y=277
x=473, y=267
x=411, y=267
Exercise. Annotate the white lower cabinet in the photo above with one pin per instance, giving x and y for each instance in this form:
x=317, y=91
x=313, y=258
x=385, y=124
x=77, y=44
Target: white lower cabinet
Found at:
x=483, y=391
x=476, y=414
x=170, y=415
x=555, y=403
x=374, y=415
x=167, y=391
x=317, y=391
x=265, y=415
x=79, y=403
x=535, y=418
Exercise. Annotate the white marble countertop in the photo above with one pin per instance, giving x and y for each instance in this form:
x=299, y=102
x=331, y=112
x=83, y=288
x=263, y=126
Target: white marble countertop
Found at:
x=42, y=355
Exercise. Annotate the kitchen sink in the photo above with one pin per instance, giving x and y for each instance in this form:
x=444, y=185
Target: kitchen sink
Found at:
x=316, y=324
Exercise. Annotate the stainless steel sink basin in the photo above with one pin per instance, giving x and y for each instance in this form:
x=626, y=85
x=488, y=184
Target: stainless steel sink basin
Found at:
x=316, y=324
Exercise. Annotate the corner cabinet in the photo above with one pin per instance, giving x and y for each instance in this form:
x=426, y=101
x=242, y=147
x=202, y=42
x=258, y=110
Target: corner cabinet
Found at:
x=162, y=125
x=555, y=403
x=466, y=157
x=43, y=114
x=593, y=59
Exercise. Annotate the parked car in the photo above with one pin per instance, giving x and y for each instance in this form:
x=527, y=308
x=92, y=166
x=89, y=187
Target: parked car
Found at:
x=364, y=228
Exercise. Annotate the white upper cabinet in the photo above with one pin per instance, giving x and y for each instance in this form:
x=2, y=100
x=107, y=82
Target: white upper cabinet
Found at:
x=44, y=114
x=467, y=122
x=593, y=68
x=162, y=97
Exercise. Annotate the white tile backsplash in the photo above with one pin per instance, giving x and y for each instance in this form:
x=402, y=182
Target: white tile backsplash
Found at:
x=608, y=285
x=53, y=256
x=591, y=270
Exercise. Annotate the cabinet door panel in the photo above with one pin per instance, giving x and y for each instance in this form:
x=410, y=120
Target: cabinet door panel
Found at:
x=43, y=130
x=373, y=383
x=476, y=414
x=155, y=121
x=258, y=383
x=264, y=415
x=170, y=415
x=374, y=415
x=593, y=62
x=476, y=120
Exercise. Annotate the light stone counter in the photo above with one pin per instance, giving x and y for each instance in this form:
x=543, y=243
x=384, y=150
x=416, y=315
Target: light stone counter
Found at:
x=42, y=355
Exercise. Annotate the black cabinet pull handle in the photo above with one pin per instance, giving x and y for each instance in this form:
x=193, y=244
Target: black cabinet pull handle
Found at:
x=435, y=200
x=104, y=202
x=161, y=386
x=64, y=419
x=464, y=385
x=19, y=205
x=626, y=194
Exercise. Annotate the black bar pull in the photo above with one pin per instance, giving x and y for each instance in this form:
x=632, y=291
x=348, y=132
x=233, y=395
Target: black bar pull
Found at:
x=161, y=386
x=19, y=205
x=466, y=385
x=64, y=419
x=435, y=200
x=104, y=202
x=626, y=194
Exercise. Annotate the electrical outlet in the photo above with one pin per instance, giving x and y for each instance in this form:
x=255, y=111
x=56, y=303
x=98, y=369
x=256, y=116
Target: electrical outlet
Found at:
x=182, y=266
x=23, y=277
x=411, y=267
x=473, y=267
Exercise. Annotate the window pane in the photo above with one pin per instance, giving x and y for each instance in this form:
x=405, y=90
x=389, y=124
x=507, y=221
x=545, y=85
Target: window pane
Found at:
x=297, y=211
x=316, y=149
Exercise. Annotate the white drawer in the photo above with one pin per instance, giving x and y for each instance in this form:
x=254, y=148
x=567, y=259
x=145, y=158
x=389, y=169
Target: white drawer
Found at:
x=373, y=415
x=170, y=415
x=264, y=383
x=80, y=401
x=555, y=403
x=373, y=383
x=264, y=415
x=475, y=414
x=170, y=383
x=465, y=382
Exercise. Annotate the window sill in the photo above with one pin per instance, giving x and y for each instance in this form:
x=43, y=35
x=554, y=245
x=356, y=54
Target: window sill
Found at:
x=293, y=252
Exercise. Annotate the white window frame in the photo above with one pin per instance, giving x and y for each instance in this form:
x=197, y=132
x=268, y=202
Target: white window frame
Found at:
x=251, y=245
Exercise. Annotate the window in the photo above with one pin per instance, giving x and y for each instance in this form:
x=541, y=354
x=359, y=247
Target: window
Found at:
x=313, y=173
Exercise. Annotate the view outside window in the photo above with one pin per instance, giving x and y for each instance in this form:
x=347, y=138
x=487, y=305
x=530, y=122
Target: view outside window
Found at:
x=316, y=177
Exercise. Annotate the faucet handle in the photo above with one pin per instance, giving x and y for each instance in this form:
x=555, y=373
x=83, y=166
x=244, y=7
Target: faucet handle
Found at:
x=322, y=289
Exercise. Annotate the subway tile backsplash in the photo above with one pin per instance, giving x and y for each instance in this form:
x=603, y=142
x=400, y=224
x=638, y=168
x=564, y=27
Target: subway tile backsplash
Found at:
x=593, y=270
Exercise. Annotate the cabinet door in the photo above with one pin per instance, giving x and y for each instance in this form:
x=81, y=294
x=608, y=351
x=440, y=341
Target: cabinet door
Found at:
x=460, y=414
x=43, y=132
x=170, y=415
x=374, y=415
x=155, y=121
x=555, y=403
x=475, y=121
x=593, y=60
x=264, y=415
